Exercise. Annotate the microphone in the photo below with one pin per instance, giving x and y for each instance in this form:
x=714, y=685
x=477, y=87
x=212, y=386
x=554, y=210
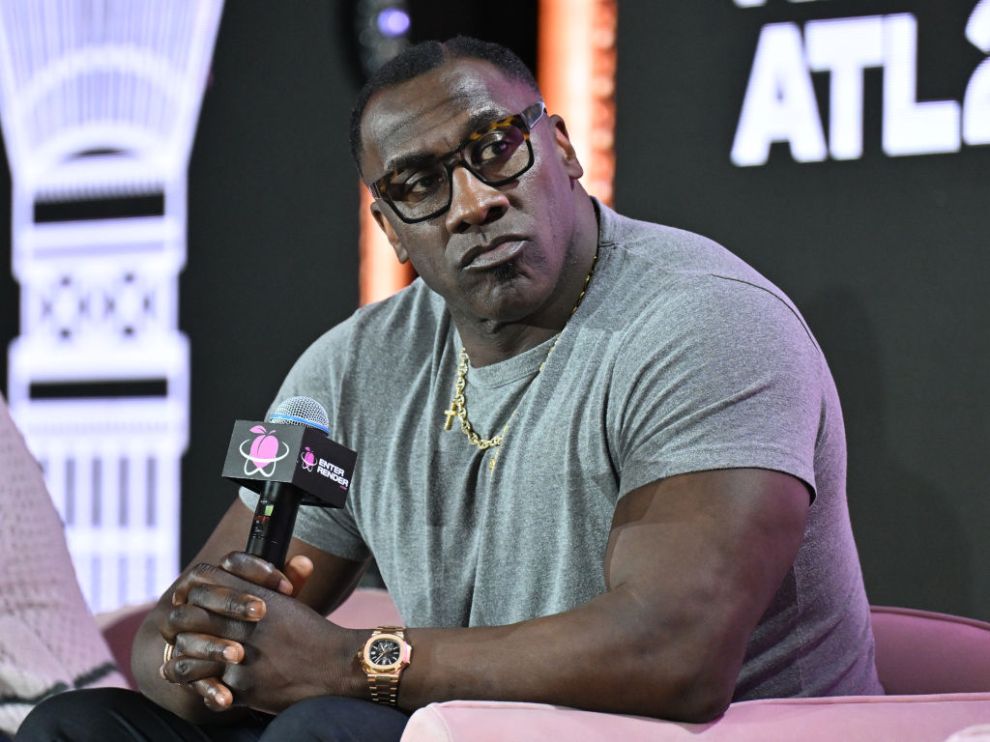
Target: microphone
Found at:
x=289, y=461
x=275, y=514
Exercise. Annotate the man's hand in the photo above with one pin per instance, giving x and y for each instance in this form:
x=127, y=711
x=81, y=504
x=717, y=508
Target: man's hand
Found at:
x=319, y=580
x=241, y=638
x=205, y=631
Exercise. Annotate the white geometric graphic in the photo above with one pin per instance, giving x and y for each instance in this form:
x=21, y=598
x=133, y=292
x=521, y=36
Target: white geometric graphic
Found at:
x=99, y=101
x=976, y=107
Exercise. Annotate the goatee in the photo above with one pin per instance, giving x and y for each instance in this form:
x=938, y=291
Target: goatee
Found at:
x=505, y=272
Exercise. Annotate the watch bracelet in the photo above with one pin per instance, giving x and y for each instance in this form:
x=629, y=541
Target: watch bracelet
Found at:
x=384, y=689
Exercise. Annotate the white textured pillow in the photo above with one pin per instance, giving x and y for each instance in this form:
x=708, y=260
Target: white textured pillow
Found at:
x=49, y=641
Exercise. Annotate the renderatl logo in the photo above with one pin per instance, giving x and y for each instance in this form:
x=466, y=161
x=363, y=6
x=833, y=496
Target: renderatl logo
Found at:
x=308, y=459
x=263, y=455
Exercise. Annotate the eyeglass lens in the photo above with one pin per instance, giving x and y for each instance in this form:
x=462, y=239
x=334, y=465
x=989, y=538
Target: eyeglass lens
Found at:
x=497, y=156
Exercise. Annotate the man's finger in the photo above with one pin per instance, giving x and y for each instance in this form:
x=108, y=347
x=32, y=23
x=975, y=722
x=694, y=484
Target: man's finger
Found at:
x=208, y=647
x=194, y=619
x=225, y=601
x=203, y=574
x=183, y=618
x=185, y=670
x=256, y=570
x=299, y=569
x=216, y=695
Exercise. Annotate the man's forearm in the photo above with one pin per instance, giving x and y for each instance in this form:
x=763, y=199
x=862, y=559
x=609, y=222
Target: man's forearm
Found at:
x=692, y=564
x=602, y=656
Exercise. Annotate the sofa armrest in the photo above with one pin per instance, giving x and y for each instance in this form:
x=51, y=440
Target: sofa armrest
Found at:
x=928, y=652
x=931, y=718
x=119, y=628
x=367, y=607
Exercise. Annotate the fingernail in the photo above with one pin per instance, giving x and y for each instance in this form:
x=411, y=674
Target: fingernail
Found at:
x=161, y=671
x=255, y=608
x=231, y=654
x=218, y=698
x=285, y=587
x=175, y=599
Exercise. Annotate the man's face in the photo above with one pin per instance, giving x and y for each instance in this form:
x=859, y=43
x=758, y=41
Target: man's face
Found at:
x=498, y=253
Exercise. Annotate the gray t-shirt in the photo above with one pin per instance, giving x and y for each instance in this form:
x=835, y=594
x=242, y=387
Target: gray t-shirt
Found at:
x=681, y=358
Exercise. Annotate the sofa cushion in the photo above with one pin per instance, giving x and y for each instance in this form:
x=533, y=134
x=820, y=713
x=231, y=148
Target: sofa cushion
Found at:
x=847, y=718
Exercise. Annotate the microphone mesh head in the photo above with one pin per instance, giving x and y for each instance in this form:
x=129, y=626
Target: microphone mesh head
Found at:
x=302, y=411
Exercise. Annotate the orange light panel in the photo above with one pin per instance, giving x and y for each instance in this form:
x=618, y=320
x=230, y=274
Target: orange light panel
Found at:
x=576, y=71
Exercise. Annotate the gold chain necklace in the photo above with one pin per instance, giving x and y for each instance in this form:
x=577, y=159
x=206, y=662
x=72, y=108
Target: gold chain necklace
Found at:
x=458, y=405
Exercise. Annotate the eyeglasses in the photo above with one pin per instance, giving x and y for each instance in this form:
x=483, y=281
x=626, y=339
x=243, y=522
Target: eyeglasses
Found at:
x=495, y=155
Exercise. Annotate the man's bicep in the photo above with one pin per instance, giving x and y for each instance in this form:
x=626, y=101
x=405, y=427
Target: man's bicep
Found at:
x=737, y=382
x=333, y=577
x=704, y=553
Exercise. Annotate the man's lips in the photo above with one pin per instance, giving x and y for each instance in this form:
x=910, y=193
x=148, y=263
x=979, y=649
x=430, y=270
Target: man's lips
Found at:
x=498, y=251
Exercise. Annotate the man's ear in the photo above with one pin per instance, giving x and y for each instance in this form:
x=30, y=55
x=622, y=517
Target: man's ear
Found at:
x=563, y=141
x=393, y=238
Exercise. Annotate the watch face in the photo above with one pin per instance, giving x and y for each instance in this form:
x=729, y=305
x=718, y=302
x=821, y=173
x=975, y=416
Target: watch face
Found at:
x=384, y=652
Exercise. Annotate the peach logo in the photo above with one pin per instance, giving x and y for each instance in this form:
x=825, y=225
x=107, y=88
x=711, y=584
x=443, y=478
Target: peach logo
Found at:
x=308, y=459
x=263, y=454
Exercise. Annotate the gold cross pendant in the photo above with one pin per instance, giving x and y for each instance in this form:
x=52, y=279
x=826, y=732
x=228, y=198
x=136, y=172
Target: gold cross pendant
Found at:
x=451, y=414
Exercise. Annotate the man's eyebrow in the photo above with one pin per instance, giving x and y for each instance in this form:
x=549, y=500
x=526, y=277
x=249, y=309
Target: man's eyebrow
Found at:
x=483, y=117
x=409, y=162
x=478, y=120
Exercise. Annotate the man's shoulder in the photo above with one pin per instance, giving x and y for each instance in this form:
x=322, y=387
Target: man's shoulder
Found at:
x=676, y=263
x=671, y=250
x=404, y=317
x=674, y=280
x=416, y=302
x=382, y=335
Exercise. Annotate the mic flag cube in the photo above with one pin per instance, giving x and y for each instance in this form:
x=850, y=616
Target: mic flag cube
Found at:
x=262, y=452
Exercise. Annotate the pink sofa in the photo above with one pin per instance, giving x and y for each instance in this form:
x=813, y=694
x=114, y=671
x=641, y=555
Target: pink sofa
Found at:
x=935, y=666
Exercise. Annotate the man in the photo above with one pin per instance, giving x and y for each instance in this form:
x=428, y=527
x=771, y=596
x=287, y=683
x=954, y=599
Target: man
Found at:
x=603, y=461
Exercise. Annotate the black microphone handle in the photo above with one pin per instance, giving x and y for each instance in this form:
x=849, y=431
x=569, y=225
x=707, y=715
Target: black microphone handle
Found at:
x=274, y=519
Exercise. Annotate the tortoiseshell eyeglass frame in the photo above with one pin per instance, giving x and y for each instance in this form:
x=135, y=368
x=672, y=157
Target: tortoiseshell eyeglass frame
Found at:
x=524, y=121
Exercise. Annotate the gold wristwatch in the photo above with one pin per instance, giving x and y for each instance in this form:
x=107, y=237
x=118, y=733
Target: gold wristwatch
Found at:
x=384, y=656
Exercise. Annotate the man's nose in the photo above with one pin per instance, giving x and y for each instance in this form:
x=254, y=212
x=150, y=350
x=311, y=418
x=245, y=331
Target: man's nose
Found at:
x=473, y=203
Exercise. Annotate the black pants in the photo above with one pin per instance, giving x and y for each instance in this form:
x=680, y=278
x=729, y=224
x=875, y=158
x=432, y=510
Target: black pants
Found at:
x=111, y=714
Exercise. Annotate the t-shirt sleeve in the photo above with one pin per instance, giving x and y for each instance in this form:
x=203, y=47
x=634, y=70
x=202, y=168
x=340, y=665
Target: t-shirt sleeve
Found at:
x=332, y=530
x=726, y=376
x=319, y=373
